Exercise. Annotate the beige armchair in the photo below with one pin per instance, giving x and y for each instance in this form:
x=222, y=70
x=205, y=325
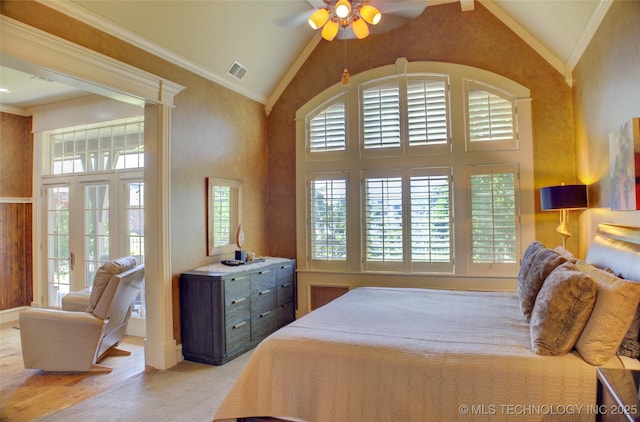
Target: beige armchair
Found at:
x=91, y=322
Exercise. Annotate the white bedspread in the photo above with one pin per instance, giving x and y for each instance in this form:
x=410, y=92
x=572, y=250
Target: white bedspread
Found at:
x=385, y=354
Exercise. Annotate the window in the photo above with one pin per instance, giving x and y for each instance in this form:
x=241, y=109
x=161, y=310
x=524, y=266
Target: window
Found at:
x=328, y=223
x=383, y=219
x=493, y=214
x=427, y=105
x=327, y=129
x=430, y=199
x=95, y=148
x=490, y=118
x=430, y=179
x=381, y=116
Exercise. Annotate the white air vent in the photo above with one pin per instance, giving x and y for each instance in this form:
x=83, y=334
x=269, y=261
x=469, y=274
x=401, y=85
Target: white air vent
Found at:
x=237, y=71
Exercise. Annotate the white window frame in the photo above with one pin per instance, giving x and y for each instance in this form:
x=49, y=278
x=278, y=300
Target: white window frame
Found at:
x=323, y=263
x=455, y=154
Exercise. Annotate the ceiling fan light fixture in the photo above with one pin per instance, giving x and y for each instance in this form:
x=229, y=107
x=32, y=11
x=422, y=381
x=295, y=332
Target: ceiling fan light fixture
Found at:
x=318, y=18
x=330, y=30
x=360, y=28
x=370, y=14
x=342, y=9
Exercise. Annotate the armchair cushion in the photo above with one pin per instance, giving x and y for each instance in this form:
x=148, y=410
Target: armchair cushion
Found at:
x=104, y=274
x=56, y=340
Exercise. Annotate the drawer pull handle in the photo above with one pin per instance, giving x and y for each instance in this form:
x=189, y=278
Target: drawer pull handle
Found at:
x=265, y=314
x=285, y=267
x=286, y=285
x=264, y=272
x=238, y=278
x=243, y=323
x=264, y=292
x=242, y=299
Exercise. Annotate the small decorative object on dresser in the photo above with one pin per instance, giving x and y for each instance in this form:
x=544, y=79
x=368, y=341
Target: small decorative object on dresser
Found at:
x=227, y=310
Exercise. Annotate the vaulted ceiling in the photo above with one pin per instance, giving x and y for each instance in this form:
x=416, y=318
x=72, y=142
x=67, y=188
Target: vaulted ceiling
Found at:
x=270, y=38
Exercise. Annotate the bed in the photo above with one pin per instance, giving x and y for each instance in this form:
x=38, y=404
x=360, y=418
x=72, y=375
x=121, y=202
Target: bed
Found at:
x=405, y=354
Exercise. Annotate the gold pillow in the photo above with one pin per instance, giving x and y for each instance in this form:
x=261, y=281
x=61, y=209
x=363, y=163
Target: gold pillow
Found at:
x=615, y=308
x=561, y=310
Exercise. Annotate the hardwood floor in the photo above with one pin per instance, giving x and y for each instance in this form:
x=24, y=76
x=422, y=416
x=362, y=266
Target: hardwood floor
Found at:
x=27, y=394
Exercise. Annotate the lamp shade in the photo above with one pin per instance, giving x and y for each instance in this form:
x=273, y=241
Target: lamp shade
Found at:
x=343, y=8
x=370, y=14
x=318, y=18
x=360, y=28
x=330, y=30
x=563, y=197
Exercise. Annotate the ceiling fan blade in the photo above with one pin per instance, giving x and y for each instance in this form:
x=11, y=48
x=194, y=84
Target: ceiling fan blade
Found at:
x=295, y=19
x=405, y=8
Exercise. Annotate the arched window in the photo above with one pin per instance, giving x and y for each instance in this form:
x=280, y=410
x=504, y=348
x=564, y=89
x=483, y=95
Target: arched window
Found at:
x=415, y=168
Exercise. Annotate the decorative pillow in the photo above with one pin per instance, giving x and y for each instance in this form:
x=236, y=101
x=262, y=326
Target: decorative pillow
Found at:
x=630, y=345
x=612, y=315
x=525, y=265
x=566, y=254
x=561, y=311
x=104, y=274
x=544, y=261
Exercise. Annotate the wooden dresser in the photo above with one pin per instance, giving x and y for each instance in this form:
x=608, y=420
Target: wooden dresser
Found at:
x=225, y=311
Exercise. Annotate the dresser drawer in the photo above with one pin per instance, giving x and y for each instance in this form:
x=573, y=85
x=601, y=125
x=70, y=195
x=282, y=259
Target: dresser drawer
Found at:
x=285, y=291
x=285, y=271
x=237, y=308
x=286, y=314
x=237, y=286
x=264, y=324
x=238, y=335
x=263, y=301
x=263, y=280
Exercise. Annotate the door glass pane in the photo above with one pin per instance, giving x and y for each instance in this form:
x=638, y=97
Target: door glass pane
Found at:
x=58, y=262
x=135, y=235
x=96, y=228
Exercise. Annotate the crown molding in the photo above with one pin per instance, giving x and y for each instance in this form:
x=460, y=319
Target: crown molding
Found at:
x=587, y=35
x=31, y=49
x=74, y=11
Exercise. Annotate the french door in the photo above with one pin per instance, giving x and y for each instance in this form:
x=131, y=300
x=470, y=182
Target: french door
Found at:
x=89, y=219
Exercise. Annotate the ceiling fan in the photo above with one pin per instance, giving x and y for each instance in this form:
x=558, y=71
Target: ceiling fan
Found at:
x=349, y=19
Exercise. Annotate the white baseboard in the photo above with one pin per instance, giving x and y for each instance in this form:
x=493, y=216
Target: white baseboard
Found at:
x=11, y=315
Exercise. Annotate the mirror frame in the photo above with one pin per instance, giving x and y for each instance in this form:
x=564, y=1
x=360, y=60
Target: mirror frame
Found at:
x=236, y=214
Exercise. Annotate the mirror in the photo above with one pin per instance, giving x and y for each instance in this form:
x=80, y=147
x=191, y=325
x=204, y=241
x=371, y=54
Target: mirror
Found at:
x=224, y=214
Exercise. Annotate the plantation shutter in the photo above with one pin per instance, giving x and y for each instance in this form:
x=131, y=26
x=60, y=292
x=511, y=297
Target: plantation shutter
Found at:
x=327, y=130
x=383, y=215
x=490, y=116
x=328, y=219
x=221, y=204
x=431, y=218
x=493, y=215
x=427, y=112
x=381, y=116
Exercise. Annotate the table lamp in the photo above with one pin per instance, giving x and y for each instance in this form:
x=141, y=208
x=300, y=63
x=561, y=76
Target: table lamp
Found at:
x=563, y=198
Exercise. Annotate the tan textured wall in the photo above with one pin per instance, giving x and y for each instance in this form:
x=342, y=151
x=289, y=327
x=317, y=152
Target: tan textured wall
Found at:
x=441, y=33
x=16, y=156
x=606, y=94
x=214, y=132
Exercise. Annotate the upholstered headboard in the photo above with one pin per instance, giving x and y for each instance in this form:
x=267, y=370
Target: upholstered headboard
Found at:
x=617, y=248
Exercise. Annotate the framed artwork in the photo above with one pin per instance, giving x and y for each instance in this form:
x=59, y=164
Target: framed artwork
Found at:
x=624, y=169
